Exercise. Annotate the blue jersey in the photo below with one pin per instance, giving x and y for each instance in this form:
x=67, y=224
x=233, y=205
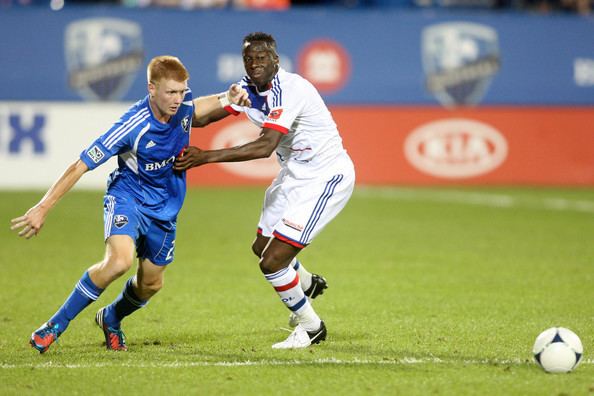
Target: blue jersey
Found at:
x=146, y=149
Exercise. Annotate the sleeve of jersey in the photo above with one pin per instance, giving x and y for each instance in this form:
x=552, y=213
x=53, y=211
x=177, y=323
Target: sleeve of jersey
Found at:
x=284, y=109
x=113, y=142
x=275, y=122
x=234, y=109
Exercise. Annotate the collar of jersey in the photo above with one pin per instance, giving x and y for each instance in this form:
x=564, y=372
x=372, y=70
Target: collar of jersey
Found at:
x=268, y=87
x=157, y=123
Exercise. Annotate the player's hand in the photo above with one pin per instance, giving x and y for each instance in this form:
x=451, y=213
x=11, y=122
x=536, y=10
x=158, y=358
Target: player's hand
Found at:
x=30, y=223
x=189, y=158
x=238, y=96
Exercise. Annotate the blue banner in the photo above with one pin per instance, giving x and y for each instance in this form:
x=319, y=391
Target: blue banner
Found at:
x=375, y=57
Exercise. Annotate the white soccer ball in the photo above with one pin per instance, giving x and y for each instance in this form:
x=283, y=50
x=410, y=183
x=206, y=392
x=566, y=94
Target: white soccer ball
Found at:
x=558, y=350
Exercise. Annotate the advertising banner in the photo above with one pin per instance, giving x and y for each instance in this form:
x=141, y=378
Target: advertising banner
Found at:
x=394, y=57
x=39, y=140
x=389, y=145
x=420, y=146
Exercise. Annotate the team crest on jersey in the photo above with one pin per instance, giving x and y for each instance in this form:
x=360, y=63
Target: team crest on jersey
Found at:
x=185, y=123
x=103, y=56
x=95, y=154
x=120, y=220
x=275, y=114
x=460, y=60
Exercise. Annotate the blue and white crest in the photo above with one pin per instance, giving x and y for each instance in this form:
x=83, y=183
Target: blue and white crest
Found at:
x=120, y=220
x=185, y=123
x=460, y=60
x=103, y=56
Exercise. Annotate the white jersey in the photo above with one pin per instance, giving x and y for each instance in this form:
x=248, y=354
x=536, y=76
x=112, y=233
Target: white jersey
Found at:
x=292, y=106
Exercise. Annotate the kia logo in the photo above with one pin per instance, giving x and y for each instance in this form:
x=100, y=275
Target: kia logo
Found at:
x=239, y=133
x=455, y=148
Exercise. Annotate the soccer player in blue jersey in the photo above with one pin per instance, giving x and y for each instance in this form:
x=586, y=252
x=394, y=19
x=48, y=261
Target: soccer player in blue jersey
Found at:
x=143, y=198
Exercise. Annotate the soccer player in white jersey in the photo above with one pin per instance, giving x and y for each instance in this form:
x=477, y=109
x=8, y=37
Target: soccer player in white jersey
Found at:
x=315, y=182
x=143, y=199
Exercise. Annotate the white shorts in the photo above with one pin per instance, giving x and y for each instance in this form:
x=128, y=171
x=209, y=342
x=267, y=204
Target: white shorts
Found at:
x=296, y=210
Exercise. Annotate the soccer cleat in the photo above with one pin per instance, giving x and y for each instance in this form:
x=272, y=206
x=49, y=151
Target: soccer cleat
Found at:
x=115, y=339
x=318, y=284
x=301, y=338
x=317, y=287
x=43, y=337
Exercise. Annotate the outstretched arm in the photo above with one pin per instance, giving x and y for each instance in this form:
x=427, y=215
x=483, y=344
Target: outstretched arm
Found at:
x=211, y=108
x=31, y=222
x=259, y=148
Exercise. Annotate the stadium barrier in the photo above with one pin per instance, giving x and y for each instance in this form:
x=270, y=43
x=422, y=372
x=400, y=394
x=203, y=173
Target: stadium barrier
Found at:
x=390, y=145
x=420, y=146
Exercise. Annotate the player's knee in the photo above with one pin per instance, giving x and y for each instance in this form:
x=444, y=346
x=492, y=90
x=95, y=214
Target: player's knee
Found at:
x=150, y=288
x=117, y=265
x=270, y=263
x=256, y=249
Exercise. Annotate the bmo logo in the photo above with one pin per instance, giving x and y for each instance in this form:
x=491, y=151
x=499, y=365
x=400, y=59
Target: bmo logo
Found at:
x=326, y=64
x=455, y=148
x=239, y=133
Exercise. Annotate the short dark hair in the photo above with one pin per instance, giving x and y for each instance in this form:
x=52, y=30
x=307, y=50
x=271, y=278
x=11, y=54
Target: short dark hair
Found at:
x=263, y=37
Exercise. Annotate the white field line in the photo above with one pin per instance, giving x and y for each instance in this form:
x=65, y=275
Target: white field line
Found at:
x=263, y=363
x=477, y=198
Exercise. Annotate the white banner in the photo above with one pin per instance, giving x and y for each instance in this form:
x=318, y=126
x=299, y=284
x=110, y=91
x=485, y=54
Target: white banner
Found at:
x=38, y=140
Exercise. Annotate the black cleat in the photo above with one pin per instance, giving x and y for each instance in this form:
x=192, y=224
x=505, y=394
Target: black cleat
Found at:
x=318, y=284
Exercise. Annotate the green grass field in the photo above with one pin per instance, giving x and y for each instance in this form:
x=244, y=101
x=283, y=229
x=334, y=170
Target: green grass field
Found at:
x=432, y=292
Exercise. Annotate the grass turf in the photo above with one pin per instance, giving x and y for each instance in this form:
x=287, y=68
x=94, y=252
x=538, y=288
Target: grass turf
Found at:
x=432, y=291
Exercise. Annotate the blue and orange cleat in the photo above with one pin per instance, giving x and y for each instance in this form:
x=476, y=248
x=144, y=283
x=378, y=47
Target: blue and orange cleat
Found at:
x=43, y=337
x=115, y=339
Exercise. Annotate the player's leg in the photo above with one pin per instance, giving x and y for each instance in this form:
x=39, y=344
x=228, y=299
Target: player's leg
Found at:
x=275, y=205
x=277, y=258
x=155, y=248
x=275, y=265
x=118, y=259
x=312, y=284
x=313, y=205
x=260, y=243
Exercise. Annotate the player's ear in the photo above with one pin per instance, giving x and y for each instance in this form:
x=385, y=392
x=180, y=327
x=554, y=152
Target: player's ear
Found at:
x=151, y=88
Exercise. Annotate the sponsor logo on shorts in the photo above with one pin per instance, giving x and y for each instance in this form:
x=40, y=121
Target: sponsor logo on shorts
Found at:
x=120, y=220
x=275, y=114
x=95, y=154
x=294, y=226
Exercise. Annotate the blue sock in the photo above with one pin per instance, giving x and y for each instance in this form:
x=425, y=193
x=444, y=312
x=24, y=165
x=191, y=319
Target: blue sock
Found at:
x=84, y=293
x=125, y=304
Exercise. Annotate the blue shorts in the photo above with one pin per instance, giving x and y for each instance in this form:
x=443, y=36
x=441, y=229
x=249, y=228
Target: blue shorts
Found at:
x=154, y=239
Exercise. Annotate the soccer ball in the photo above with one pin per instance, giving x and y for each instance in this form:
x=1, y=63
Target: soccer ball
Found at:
x=558, y=350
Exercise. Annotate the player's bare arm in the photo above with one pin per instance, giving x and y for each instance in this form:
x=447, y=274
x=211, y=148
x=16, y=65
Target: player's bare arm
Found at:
x=262, y=147
x=31, y=222
x=212, y=108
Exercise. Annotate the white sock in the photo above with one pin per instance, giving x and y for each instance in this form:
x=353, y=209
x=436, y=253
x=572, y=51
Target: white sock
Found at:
x=286, y=283
x=308, y=318
x=304, y=275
